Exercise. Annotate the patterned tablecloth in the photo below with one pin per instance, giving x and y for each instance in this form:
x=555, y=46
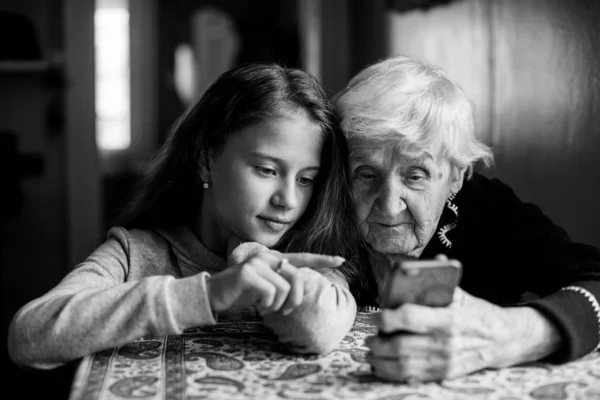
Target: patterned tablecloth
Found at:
x=242, y=360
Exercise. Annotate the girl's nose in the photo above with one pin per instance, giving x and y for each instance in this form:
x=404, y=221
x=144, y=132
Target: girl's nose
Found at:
x=286, y=196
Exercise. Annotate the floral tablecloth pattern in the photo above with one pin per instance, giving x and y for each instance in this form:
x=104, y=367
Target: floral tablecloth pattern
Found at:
x=243, y=360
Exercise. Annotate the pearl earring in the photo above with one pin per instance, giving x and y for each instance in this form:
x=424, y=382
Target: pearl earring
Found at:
x=205, y=185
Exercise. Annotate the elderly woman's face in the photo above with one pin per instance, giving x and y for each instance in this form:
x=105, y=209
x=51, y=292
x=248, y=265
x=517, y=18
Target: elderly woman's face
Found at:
x=398, y=194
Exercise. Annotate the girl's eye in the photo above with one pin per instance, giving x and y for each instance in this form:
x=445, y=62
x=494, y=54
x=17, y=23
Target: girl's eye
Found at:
x=306, y=181
x=266, y=171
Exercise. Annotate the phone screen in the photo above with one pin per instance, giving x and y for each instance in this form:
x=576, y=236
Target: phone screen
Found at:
x=426, y=282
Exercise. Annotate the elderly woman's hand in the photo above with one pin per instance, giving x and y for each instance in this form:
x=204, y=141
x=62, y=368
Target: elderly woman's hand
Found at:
x=447, y=342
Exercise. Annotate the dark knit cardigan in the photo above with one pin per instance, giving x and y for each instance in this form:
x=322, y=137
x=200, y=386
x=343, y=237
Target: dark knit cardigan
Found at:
x=512, y=254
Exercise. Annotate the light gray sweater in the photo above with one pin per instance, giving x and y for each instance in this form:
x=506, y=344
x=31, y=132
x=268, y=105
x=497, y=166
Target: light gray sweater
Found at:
x=142, y=283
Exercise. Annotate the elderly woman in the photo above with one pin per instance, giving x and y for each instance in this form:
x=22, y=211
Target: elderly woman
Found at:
x=412, y=149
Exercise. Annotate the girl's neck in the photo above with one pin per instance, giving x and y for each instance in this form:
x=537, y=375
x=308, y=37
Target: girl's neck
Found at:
x=209, y=232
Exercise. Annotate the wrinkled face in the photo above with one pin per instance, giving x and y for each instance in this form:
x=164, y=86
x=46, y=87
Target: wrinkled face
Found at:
x=398, y=194
x=261, y=181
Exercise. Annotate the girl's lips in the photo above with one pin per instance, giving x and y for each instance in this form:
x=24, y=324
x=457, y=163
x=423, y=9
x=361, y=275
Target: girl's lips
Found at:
x=276, y=220
x=276, y=225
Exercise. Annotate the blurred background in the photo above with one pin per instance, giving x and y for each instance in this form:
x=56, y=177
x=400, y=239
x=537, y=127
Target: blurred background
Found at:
x=89, y=90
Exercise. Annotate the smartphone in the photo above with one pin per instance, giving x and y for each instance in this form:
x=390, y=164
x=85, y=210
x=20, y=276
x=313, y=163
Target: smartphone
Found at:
x=427, y=282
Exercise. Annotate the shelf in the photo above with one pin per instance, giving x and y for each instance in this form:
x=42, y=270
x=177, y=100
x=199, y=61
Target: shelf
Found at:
x=14, y=66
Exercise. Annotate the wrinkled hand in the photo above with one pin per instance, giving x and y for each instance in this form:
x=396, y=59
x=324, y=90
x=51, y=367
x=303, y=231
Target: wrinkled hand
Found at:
x=441, y=342
x=269, y=280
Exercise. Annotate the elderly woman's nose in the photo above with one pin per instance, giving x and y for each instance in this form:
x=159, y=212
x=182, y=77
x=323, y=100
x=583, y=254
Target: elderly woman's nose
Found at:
x=391, y=198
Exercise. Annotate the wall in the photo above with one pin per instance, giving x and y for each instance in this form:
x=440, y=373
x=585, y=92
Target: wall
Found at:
x=34, y=250
x=532, y=69
x=267, y=30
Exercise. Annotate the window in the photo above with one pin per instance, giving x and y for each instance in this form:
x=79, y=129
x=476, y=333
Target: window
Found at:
x=113, y=99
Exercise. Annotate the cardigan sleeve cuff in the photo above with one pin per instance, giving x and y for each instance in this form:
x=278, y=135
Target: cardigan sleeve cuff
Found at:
x=190, y=302
x=575, y=311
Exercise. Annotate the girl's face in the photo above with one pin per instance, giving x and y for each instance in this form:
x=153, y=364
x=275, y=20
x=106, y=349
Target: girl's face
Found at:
x=261, y=181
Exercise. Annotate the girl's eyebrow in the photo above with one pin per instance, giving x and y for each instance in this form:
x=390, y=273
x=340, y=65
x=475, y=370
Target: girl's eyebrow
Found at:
x=279, y=161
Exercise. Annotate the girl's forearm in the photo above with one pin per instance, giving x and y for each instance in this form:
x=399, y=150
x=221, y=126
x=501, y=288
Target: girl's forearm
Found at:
x=72, y=321
x=320, y=323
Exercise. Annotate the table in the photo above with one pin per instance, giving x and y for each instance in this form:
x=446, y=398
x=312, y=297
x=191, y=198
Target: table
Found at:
x=243, y=360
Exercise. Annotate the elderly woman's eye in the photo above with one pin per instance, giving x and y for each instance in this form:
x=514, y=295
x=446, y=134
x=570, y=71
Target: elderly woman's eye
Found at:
x=417, y=176
x=366, y=176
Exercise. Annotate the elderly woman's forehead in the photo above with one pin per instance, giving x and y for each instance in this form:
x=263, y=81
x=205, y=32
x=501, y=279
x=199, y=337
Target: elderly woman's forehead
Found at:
x=362, y=148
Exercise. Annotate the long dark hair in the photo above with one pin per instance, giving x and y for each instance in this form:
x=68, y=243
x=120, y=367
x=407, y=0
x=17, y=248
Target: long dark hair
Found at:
x=170, y=191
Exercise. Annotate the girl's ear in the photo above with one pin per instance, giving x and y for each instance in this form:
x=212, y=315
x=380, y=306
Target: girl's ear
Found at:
x=205, y=166
x=457, y=176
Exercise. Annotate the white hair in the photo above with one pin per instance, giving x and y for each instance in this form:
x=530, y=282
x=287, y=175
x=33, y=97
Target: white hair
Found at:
x=407, y=101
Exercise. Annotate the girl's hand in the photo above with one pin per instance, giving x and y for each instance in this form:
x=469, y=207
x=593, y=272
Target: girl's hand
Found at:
x=268, y=280
x=447, y=342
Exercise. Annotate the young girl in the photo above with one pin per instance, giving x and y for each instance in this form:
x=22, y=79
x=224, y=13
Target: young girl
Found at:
x=259, y=154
